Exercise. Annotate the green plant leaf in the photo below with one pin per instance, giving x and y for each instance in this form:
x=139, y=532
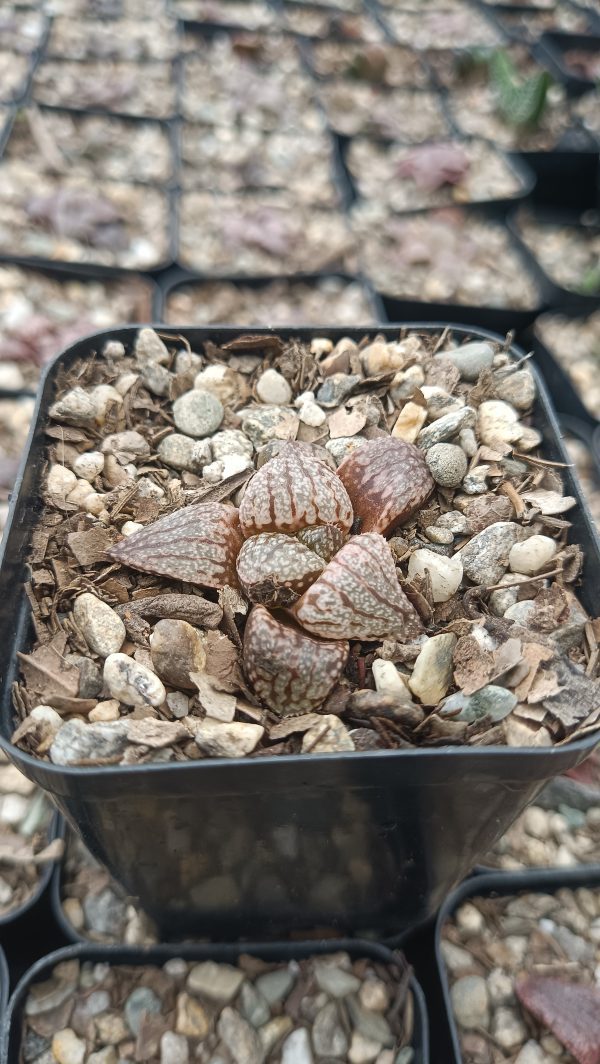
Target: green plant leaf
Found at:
x=521, y=101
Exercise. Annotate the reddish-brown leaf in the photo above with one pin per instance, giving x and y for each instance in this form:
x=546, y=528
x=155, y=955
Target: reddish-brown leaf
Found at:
x=570, y=1011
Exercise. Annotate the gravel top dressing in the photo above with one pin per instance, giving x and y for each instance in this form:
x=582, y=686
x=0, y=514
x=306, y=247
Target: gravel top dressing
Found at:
x=436, y=174
x=275, y=303
x=382, y=64
x=262, y=234
x=568, y=254
x=91, y=146
x=316, y=21
x=211, y=577
x=105, y=85
x=40, y=315
x=323, y=1008
x=575, y=343
x=523, y=975
x=110, y=224
x=25, y=815
x=446, y=256
x=354, y=107
x=133, y=39
x=246, y=159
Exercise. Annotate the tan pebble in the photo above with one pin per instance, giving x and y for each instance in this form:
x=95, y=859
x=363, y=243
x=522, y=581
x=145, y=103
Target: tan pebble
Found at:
x=108, y=710
x=410, y=421
x=73, y=911
x=60, y=481
x=177, y=650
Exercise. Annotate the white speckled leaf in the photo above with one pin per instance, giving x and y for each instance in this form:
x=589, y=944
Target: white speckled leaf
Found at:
x=290, y=670
x=198, y=544
x=271, y=564
x=357, y=596
x=292, y=492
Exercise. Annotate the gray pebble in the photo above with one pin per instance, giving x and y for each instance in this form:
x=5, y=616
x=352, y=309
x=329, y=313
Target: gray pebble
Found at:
x=447, y=464
x=128, y=442
x=520, y=612
x=470, y=1002
x=296, y=1049
x=446, y=427
x=219, y=982
x=90, y=675
x=240, y=1038
x=438, y=535
x=335, y=981
x=140, y=1001
x=198, y=413
x=485, y=557
x=517, y=388
x=260, y=423
x=174, y=1048
x=334, y=390
x=475, y=483
x=76, y=742
x=454, y=521
x=341, y=447
x=491, y=701
x=372, y=1025
x=183, y=452
x=102, y=628
x=156, y=378
x=253, y=1006
x=149, y=347
x=468, y=442
x=230, y=441
x=328, y=1035
x=132, y=683
x=274, y=986
x=470, y=359
x=105, y=913
x=76, y=406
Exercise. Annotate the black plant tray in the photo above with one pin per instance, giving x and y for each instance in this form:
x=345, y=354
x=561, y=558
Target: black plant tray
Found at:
x=554, y=47
x=417, y=820
x=11, y=1028
x=501, y=884
x=520, y=35
x=177, y=279
x=515, y=162
x=559, y=298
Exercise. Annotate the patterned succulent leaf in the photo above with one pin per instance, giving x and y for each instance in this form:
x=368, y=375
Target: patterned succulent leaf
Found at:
x=198, y=544
x=387, y=481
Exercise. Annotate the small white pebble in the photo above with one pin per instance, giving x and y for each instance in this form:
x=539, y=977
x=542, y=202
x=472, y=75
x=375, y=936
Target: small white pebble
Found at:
x=94, y=504
x=304, y=397
x=272, y=387
x=130, y=527
x=311, y=414
x=79, y=494
x=61, y=480
x=321, y=346
x=89, y=465
x=532, y=555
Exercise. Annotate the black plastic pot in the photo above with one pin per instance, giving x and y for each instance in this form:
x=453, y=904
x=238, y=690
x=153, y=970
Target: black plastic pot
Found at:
x=501, y=884
x=4, y=982
x=554, y=47
x=502, y=11
x=11, y=1028
x=558, y=298
x=268, y=845
x=179, y=279
x=55, y=831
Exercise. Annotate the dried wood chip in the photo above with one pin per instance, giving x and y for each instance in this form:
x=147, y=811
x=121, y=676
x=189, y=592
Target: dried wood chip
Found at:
x=48, y=676
x=533, y=655
x=549, y=502
x=191, y=608
x=89, y=548
x=545, y=685
x=346, y=423
x=578, y=698
x=223, y=662
x=552, y=608
x=473, y=665
x=518, y=733
x=266, y=342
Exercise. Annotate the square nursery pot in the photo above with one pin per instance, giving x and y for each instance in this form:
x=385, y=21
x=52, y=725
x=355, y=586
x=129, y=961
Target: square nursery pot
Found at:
x=179, y=280
x=55, y=831
x=11, y=1028
x=554, y=47
x=368, y=840
x=567, y=176
x=558, y=297
x=499, y=884
x=573, y=416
